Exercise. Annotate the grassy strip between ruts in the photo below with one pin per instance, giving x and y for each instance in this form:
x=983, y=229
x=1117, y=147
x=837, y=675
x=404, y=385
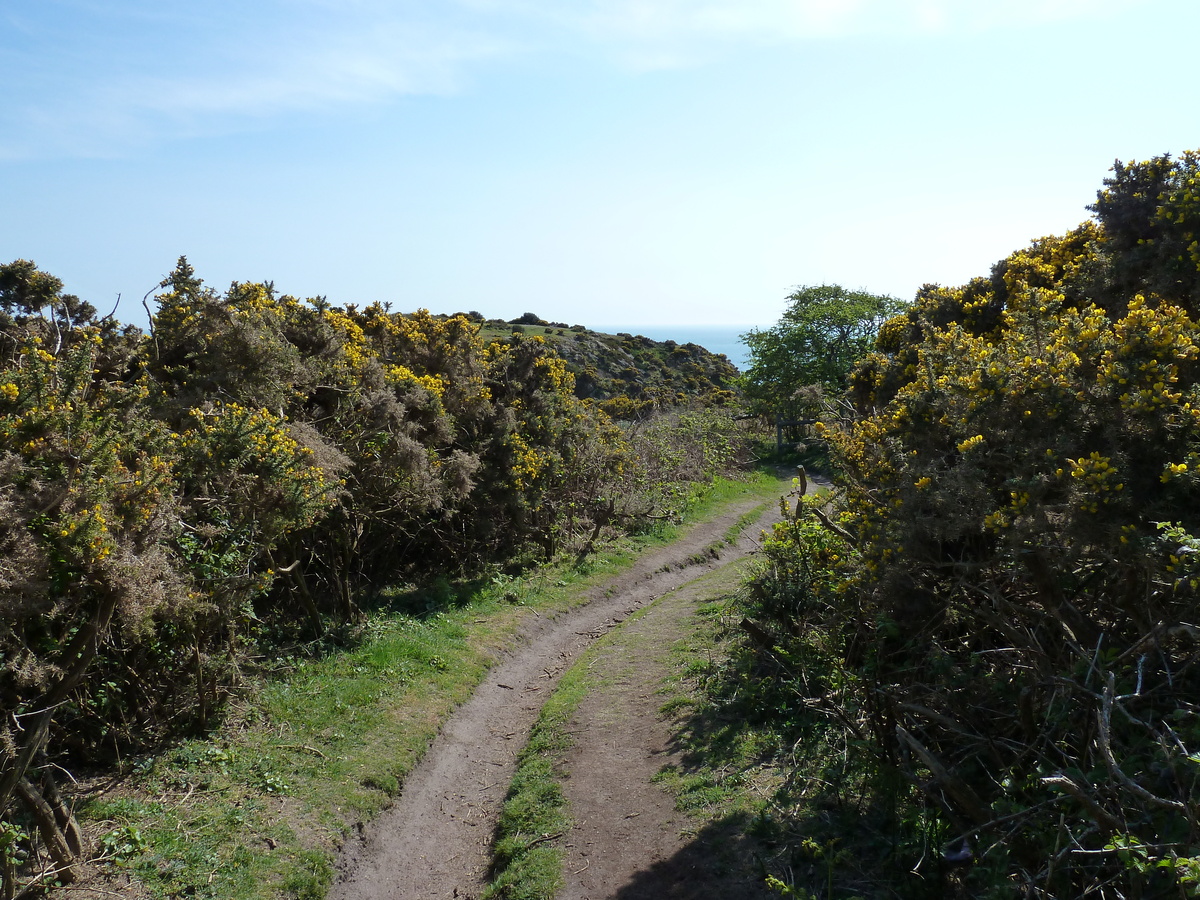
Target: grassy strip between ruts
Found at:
x=528, y=859
x=258, y=808
x=527, y=863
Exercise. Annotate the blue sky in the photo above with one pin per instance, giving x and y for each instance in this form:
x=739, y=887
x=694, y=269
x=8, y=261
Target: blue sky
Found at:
x=628, y=161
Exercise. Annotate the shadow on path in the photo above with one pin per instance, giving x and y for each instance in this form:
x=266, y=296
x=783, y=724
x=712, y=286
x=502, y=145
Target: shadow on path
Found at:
x=712, y=866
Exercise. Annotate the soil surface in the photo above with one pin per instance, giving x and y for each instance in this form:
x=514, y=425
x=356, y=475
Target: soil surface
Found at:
x=435, y=842
x=628, y=841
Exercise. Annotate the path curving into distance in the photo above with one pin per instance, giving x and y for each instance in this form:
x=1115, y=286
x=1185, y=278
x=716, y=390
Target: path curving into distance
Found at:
x=434, y=843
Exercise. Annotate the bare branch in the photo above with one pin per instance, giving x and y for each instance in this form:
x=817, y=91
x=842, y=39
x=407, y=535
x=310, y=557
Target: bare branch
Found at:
x=1105, y=719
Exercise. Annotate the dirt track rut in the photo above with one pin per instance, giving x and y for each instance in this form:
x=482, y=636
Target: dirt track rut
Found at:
x=435, y=842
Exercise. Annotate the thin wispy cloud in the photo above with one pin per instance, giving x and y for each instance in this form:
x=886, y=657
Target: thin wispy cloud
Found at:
x=792, y=20
x=655, y=34
x=89, y=78
x=382, y=62
x=184, y=77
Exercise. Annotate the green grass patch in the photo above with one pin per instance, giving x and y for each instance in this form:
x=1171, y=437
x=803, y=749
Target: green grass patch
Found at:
x=527, y=861
x=259, y=808
x=718, y=776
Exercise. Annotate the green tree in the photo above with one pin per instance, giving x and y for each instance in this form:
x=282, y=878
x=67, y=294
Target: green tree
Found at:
x=824, y=331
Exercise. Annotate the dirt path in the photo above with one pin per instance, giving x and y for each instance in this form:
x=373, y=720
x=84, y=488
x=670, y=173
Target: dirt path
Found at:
x=628, y=841
x=435, y=842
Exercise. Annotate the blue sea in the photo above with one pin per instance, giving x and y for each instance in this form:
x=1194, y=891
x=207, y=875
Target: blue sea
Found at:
x=714, y=338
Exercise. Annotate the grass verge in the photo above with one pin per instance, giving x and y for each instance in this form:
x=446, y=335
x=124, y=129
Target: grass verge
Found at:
x=764, y=770
x=259, y=808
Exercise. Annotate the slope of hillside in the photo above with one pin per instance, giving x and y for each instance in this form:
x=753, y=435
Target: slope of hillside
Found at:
x=628, y=375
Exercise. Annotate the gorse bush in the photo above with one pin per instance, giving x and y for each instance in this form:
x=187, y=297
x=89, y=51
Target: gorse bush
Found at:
x=251, y=471
x=88, y=501
x=1011, y=612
